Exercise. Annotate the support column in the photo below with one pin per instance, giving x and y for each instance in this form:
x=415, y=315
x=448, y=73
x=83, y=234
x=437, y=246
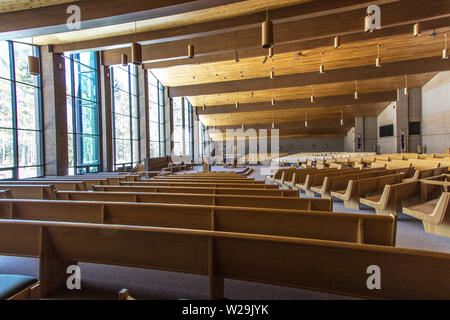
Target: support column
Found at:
x=144, y=134
x=106, y=115
x=401, y=131
x=169, y=121
x=54, y=113
x=359, y=134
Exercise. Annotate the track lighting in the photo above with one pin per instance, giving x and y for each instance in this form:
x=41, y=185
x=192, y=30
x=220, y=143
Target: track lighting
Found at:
x=322, y=67
x=445, y=51
x=337, y=42
x=124, y=59
x=136, y=50
x=416, y=30
x=406, y=91
x=378, y=60
x=190, y=51
x=267, y=31
x=33, y=63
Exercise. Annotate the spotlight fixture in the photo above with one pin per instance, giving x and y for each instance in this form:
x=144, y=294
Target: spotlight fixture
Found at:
x=273, y=97
x=124, y=59
x=378, y=60
x=337, y=42
x=273, y=102
x=342, y=118
x=237, y=104
x=406, y=91
x=33, y=63
x=356, y=91
x=242, y=127
x=306, y=121
x=190, y=51
x=312, y=94
x=273, y=121
x=236, y=56
x=445, y=51
x=267, y=31
x=416, y=30
x=322, y=67
x=204, y=105
x=272, y=74
x=270, y=52
x=367, y=24
x=136, y=50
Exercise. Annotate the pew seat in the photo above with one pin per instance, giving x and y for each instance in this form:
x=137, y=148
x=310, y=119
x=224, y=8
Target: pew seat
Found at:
x=435, y=214
x=5, y=194
x=18, y=287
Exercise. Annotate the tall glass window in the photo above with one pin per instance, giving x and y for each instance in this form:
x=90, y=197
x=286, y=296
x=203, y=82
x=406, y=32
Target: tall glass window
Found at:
x=183, y=128
x=178, y=123
x=82, y=112
x=156, y=114
x=125, y=112
x=21, y=148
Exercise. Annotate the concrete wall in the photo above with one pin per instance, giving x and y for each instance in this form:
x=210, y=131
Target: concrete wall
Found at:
x=295, y=145
x=436, y=114
x=349, y=141
x=387, y=116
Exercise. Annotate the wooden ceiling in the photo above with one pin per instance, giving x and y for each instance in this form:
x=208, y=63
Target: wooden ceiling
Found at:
x=223, y=30
x=17, y=5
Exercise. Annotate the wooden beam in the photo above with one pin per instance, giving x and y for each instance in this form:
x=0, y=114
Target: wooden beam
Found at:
x=304, y=10
x=94, y=14
x=364, y=98
x=400, y=68
x=312, y=124
x=299, y=45
x=394, y=14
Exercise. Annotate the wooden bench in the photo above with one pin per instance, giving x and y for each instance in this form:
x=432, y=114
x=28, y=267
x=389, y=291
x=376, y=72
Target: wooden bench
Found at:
x=88, y=181
x=435, y=214
x=200, y=190
x=19, y=287
x=205, y=180
x=59, y=184
x=334, y=183
x=313, y=179
x=426, y=173
x=345, y=227
x=319, y=265
x=299, y=176
x=393, y=195
x=198, y=184
x=32, y=191
x=201, y=199
x=362, y=187
x=5, y=194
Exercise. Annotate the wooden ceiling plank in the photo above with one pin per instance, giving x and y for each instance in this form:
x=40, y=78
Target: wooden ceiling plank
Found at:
x=299, y=45
x=394, y=14
x=320, y=102
x=400, y=68
x=94, y=13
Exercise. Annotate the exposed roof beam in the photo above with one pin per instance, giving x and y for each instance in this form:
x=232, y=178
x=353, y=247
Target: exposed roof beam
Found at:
x=364, y=98
x=312, y=124
x=304, y=10
x=394, y=14
x=299, y=45
x=95, y=13
x=400, y=68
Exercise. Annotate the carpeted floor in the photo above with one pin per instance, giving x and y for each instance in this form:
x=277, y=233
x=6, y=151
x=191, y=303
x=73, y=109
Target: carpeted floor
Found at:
x=104, y=282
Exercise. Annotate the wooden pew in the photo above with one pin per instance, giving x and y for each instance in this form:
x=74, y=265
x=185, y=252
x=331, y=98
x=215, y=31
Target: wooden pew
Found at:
x=5, y=194
x=221, y=177
x=88, y=181
x=201, y=199
x=334, y=183
x=32, y=191
x=316, y=178
x=426, y=173
x=393, y=195
x=435, y=214
x=216, y=181
x=59, y=184
x=299, y=176
x=19, y=287
x=200, y=190
x=345, y=227
x=329, y=266
x=198, y=184
x=362, y=187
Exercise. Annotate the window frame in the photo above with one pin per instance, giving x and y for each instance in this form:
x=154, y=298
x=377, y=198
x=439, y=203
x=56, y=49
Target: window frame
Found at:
x=15, y=169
